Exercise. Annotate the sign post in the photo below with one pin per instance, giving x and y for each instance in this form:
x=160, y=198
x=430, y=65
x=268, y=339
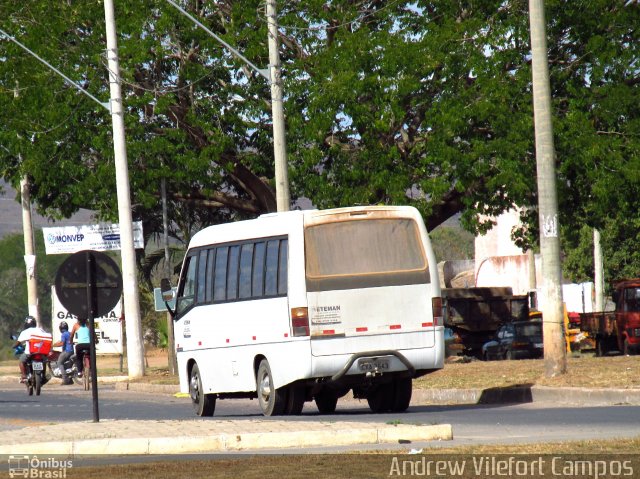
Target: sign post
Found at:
x=89, y=284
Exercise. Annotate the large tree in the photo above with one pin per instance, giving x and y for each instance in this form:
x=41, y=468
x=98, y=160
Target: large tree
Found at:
x=184, y=117
x=412, y=102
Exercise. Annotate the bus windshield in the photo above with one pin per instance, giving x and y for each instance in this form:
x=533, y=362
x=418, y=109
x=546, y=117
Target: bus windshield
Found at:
x=364, y=253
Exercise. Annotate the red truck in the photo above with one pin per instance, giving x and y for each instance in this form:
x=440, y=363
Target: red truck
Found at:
x=617, y=330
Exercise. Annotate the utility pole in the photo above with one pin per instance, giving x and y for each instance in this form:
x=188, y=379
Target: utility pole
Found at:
x=135, y=353
x=172, y=360
x=29, y=250
x=598, y=266
x=555, y=355
x=277, y=109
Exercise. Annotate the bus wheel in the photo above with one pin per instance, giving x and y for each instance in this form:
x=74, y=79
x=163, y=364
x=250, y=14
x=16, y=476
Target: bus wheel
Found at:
x=204, y=404
x=272, y=400
x=326, y=402
x=295, y=399
x=382, y=398
x=403, y=388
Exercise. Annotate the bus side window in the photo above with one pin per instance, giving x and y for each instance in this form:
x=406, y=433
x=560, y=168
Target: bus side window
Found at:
x=210, y=269
x=246, y=261
x=232, y=273
x=220, y=274
x=282, y=268
x=202, y=277
x=257, y=281
x=187, y=293
x=271, y=273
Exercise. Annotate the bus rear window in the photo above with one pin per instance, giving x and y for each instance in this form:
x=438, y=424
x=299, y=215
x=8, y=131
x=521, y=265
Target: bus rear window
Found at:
x=364, y=253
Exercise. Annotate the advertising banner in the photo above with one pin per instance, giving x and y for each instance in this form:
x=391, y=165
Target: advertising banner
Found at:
x=100, y=237
x=108, y=327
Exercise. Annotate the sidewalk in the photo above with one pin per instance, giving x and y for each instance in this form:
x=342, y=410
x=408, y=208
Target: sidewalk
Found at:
x=118, y=437
x=140, y=437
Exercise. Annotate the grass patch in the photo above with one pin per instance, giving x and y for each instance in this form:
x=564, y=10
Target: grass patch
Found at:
x=620, y=372
x=350, y=465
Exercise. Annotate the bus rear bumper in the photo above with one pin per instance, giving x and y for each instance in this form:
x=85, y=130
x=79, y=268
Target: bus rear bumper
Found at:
x=377, y=363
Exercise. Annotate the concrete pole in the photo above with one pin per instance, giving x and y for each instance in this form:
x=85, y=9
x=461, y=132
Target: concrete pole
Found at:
x=29, y=250
x=598, y=266
x=172, y=360
x=279, y=141
x=135, y=353
x=555, y=355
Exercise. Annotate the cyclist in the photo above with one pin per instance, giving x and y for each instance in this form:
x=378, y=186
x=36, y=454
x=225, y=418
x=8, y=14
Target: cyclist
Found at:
x=81, y=339
x=67, y=351
x=30, y=331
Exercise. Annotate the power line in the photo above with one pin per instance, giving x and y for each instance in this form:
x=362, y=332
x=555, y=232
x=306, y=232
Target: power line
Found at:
x=42, y=60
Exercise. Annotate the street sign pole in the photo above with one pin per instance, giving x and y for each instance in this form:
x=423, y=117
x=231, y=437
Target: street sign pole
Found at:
x=89, y=284
x=91, y=306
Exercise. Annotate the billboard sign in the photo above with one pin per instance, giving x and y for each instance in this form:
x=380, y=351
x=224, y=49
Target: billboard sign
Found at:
x=100, y=237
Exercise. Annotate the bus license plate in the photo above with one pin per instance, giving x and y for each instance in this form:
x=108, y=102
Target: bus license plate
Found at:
x=37, y=366
x=373, y=364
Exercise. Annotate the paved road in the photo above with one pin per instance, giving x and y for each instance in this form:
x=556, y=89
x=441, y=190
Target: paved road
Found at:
x=472, y=424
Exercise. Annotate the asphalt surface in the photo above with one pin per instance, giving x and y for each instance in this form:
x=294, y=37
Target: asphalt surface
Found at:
x=141, y=437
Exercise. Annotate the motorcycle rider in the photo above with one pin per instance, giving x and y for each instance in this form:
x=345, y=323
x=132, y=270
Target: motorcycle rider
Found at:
x=67, y=351
x=31, y=331
x=81, y=337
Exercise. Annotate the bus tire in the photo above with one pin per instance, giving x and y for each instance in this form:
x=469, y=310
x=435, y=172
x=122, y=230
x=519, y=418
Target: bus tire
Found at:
x=203, y=404
x=295, y=399
x=403, y=388
x=326, y=402
x=382, y=398
x=272, y=400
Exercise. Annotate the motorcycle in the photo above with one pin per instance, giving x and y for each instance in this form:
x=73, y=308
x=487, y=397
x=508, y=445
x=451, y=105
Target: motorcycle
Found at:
x=35, y=367
x=69, y=366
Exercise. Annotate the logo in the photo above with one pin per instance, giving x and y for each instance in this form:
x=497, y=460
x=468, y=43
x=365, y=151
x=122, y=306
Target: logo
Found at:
x=53, y=238
x=50, y=467
x=111, y=237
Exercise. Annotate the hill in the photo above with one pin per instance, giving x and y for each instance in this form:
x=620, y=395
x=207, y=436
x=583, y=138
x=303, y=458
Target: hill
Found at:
x=11, y=214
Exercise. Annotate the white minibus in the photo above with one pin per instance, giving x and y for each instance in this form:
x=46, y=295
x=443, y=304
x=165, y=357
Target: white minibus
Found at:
x=307, y=306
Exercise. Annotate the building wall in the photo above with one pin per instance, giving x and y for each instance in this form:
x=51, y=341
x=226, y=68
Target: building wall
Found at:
x=497, y=241
x=511, y=271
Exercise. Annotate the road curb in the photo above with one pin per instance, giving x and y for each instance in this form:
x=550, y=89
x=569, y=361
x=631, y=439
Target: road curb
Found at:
x=147, y=388
x=506, y=395
x=384, y=434
x=586, y=396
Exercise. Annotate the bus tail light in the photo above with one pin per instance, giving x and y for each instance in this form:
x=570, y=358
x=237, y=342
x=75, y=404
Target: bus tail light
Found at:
x=437, y=310
x=300, y=321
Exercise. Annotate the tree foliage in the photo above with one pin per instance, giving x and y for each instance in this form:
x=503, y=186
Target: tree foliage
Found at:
x=395, y=102
x=13, y=284
x=451, y=243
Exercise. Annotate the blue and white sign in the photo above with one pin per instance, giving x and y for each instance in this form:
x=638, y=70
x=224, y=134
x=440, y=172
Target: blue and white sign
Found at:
x=100, y=237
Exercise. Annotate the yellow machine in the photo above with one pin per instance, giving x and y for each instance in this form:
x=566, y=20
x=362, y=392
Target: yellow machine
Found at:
x=575, y=339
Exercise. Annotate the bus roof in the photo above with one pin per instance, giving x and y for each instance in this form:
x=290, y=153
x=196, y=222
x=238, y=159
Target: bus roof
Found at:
x=273, y=224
